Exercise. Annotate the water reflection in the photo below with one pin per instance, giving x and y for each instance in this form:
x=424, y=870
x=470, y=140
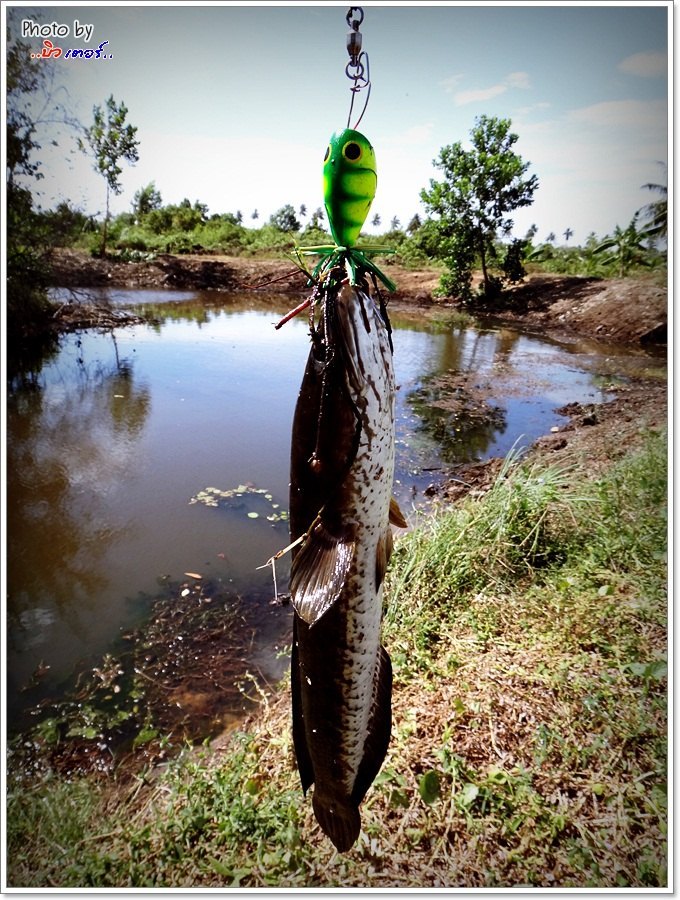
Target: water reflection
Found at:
x=70, y=445
x=111, y=441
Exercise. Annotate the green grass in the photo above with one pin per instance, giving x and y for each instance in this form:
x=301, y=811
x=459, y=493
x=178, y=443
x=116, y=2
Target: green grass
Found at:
x=528, y=634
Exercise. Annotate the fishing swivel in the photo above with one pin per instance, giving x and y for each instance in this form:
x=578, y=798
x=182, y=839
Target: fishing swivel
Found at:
x=354, y=37
x=357, y=69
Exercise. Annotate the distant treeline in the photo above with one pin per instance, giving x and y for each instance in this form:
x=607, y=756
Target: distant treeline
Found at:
x=152, y=228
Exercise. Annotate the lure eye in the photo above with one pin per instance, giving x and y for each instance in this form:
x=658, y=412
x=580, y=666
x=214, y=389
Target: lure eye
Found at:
x=328, y=153
x=351, y=151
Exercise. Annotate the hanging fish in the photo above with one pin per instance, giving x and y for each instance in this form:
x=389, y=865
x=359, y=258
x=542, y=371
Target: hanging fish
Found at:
x=342, y=465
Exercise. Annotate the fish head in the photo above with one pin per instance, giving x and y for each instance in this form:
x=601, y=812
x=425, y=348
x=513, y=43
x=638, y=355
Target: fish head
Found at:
x=350, y=179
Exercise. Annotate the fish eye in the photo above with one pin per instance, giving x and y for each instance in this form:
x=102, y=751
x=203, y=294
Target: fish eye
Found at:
x=351, y=151
x=328, y=153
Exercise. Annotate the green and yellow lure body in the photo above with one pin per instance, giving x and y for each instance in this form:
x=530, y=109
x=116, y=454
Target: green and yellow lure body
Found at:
x=350, y=178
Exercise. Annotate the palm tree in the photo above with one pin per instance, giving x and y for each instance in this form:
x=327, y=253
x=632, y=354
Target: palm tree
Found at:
x=567, y=234
x=414, y=224
x=656, y=224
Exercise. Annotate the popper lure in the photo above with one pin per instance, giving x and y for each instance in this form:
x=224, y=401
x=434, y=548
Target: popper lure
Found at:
x=350, y=178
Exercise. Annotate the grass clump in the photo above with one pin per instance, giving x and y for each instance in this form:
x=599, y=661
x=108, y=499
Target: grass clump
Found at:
x=527, y=630
x=520, y=527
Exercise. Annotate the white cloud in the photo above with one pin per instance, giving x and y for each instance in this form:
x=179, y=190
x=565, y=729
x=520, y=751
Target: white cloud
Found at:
x=518, y=80
x=653, y=64
x=623, y=113
x=513, y=80
x=450, y=84
x=464, y=97
x=535, y=107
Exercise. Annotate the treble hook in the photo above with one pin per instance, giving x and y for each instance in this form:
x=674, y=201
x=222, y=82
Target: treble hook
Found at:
x=358, y=61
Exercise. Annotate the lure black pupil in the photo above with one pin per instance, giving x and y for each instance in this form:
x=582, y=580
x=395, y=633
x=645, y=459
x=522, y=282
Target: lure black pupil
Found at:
x=328, y=153
x=352, y=151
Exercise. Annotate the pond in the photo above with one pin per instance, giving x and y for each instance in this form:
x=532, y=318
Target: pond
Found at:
x=114, y=445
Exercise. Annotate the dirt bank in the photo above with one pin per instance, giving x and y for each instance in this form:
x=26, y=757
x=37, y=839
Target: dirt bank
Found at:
x=627, y=310
x=594, y=436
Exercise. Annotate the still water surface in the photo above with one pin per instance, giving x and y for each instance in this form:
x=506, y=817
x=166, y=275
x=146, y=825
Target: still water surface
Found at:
x=110, y=442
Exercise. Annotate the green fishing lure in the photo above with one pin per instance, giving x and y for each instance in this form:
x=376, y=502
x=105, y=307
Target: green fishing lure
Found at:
x=350, y=179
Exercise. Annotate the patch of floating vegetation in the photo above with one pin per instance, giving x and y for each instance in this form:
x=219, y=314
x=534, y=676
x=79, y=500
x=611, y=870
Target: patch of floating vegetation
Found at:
x=240, y=497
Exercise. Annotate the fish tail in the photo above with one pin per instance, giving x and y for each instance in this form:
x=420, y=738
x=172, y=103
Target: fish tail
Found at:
x=340, y=820
x=339, y=816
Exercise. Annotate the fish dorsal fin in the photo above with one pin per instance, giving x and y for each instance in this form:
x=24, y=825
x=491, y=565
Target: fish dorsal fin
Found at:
x=319, y=571
x=396, y=515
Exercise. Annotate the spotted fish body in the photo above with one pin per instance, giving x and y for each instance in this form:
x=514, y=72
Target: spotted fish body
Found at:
x=342, y=466
x=349, y=180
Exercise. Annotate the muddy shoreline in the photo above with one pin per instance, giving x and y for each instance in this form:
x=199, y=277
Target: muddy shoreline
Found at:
x=626, y=310
x=630, y=311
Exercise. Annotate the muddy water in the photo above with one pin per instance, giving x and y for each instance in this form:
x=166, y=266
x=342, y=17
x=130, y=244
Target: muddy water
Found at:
x=113, y=444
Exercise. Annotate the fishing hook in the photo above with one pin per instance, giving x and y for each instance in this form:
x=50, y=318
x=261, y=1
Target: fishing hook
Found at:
x=357, y=69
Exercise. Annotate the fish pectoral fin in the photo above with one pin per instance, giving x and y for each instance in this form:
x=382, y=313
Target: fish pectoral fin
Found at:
x=396, y=515
x=319, y=571
x=379, y=728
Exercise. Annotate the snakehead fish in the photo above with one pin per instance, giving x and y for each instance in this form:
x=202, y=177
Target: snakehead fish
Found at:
x=342, y=464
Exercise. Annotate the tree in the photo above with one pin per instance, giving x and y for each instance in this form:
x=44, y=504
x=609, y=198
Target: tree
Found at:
x=551, y=238
x=513, y=263
x=375, y=221
x=110, y=140
x=255, y=214
x=317, y=218
x=303, y=211
x=656, y=213
x=414, y=224
x=627, y=247
x=146, y=199
x=284, y=219
x=568, y=233
x=480, y=187
x=32, y=104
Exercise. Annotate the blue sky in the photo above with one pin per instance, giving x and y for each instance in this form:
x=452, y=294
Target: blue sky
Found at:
x=234, y=104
